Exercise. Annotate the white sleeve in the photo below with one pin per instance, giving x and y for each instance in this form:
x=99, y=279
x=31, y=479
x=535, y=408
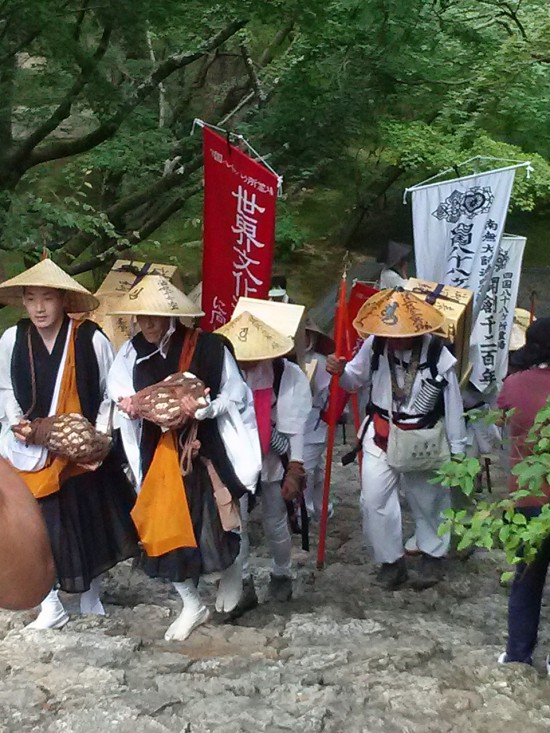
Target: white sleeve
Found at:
x=293, y=408
x=120, y=381
x=10, y=412
x=234, y=412
x=105, y=355
x=455, y=425
x=357, y=372
x=294, y=401
x=23, y=457
x=232, y=389
x=391, y=279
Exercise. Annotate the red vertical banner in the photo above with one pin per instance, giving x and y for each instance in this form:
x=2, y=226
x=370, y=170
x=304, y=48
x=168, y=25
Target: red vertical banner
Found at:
x=360, y=292
x=239, y=229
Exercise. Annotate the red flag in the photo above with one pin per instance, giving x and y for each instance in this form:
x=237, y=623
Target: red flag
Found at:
x=360, y=292
x=239, y=229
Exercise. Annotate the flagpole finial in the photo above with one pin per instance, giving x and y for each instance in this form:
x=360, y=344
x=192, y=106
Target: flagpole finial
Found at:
x=346, y=264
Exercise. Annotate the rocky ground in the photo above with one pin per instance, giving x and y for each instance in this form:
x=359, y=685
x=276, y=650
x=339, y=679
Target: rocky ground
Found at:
x=341, y=656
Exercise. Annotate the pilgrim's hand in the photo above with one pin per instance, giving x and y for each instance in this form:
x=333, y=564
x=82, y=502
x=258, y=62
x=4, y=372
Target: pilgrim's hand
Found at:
x=126, y=405
x=22, y=430
x=190, y=406
x=294, y=481
x=335, y=364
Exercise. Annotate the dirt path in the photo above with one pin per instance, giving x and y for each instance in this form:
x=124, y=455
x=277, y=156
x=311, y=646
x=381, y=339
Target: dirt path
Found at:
x=341, y=656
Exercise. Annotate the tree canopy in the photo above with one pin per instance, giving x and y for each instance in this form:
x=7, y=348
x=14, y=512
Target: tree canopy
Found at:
x=98, y=101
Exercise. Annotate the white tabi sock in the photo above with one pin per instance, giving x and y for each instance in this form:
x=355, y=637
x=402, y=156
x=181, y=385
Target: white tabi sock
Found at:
x=90, y=601
x=52, y=614
x=194, y=612
x=230, y=588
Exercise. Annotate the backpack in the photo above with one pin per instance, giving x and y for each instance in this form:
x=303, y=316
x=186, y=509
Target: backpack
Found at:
x=432, y=357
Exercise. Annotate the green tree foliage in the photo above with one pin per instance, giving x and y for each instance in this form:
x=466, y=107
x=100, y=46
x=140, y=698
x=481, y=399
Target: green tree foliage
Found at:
x=497, y=524
x=97, y=101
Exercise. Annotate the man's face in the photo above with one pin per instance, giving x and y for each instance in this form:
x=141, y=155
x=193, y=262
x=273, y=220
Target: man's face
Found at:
x=403, y=344
x=153, y=328
x=44, y=306
x=248, y=366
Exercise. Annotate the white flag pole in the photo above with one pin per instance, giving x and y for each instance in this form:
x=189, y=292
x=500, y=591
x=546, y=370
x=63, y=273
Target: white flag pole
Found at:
x=433, y=180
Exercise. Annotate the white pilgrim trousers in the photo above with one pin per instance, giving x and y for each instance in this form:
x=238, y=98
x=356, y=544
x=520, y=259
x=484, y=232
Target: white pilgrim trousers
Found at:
x=314, y=466
x=381, y=511
x=276, y=530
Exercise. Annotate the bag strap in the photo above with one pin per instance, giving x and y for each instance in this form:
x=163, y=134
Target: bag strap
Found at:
x=278, y=370
x=378, y=346
x=434, y=352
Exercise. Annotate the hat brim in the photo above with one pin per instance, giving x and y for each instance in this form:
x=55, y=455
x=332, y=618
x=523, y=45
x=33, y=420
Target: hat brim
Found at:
x=277, y=293
x=324, y=344
x=377, y=316
x=261, y=357
x=254, y=340
x=75, y=302
x=156, y=312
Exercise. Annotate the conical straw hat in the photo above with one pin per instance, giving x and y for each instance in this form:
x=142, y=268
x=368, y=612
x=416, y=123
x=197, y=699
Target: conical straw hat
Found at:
x=397, y=314
x=46, y=274
x=394, y=252
x=254, y=340
x=154, y=295
x=324, y=344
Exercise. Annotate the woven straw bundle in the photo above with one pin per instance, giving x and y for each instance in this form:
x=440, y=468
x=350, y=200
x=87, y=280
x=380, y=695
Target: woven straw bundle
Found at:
x=71, y=436
x=161, y=402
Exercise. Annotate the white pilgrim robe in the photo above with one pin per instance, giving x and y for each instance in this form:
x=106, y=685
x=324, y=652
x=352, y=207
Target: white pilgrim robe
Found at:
x=357, y=376
x=391, y=279
x=380, y=483
x=289, y=412
x=316, y=429
x=233, y=409
x=33, y=457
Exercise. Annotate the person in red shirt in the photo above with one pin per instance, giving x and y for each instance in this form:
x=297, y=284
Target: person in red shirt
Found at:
x=526, y=391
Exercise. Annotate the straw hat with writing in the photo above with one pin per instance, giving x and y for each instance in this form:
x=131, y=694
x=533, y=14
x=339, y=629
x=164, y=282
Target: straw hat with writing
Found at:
x=46, y=274
x=254, y=340
x=396, y=314
x=155, y=295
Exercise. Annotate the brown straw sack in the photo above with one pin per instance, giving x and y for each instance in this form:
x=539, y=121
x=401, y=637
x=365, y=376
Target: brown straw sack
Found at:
x=396, y=313
x=160, y=403
x=70, y=436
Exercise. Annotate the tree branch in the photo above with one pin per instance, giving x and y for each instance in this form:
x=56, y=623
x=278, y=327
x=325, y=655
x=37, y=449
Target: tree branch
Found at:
x=28, y=39
x=64, y=108
x=251, y=71
x=147, y=229
x=64, y=149
x=133, y=200
x=279, y=38
x=80, y=19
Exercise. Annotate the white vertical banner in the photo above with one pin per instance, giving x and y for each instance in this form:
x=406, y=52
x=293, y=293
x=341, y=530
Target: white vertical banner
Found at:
x=457, y=229
x=491, y=334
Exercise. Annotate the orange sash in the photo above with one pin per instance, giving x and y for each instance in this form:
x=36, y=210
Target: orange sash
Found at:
x=161, y=513
x=57, y=470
